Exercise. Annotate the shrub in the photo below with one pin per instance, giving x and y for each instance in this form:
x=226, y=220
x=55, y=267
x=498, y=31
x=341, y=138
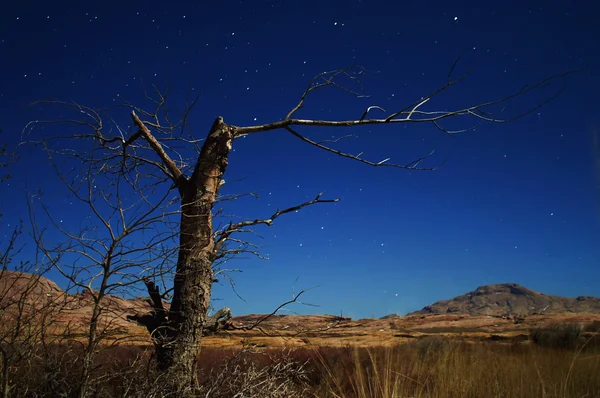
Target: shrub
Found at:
x=593, y=327
x=561, y=336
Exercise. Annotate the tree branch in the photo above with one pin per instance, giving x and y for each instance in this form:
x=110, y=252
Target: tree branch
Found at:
x=413, y=165
x=155, y=296
x=267, y=316
x=328, y=79
x=409, y=114
x=176, y=175
x=218, y=321
x=155, y=319
x=413, y=115
x=224, y=235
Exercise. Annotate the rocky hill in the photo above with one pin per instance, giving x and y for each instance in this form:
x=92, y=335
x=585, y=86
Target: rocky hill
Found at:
x=28, y=289
x=510, y=299
x=37, y=299
x=33, y=297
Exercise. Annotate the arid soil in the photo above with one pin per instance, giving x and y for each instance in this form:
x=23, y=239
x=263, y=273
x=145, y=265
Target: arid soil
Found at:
x=70, y=312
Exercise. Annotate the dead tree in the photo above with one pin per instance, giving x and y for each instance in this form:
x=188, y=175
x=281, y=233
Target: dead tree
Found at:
x=196, y=175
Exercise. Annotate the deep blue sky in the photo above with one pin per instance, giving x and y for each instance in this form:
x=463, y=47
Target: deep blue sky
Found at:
x=515, y=202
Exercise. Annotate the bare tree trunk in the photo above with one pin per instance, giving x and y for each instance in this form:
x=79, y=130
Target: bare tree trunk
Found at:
x=179, y=346
x=89, y=352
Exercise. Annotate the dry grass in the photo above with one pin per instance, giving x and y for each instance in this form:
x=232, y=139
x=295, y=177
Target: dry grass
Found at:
x=430, y=367
x=438, y=368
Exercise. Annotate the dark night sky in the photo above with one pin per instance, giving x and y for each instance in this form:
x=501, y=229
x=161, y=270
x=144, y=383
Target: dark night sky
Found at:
x=516, y=202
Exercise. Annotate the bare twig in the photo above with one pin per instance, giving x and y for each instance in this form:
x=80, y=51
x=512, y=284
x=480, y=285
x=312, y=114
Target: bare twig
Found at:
x=222, y=236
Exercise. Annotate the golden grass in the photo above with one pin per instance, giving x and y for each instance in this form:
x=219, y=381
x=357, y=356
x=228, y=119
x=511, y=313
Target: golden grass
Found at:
x=440, y=368
x=432, y=367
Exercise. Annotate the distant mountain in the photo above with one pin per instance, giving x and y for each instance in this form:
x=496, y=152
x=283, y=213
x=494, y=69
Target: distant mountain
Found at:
x=510, y=299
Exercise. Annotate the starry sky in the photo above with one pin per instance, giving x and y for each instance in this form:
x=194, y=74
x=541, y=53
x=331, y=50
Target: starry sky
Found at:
x=516, y=202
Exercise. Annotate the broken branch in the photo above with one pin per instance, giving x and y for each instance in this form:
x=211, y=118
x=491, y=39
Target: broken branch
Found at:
x=175, y=173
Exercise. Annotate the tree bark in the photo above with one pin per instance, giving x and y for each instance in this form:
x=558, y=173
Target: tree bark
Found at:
x=178, y=338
